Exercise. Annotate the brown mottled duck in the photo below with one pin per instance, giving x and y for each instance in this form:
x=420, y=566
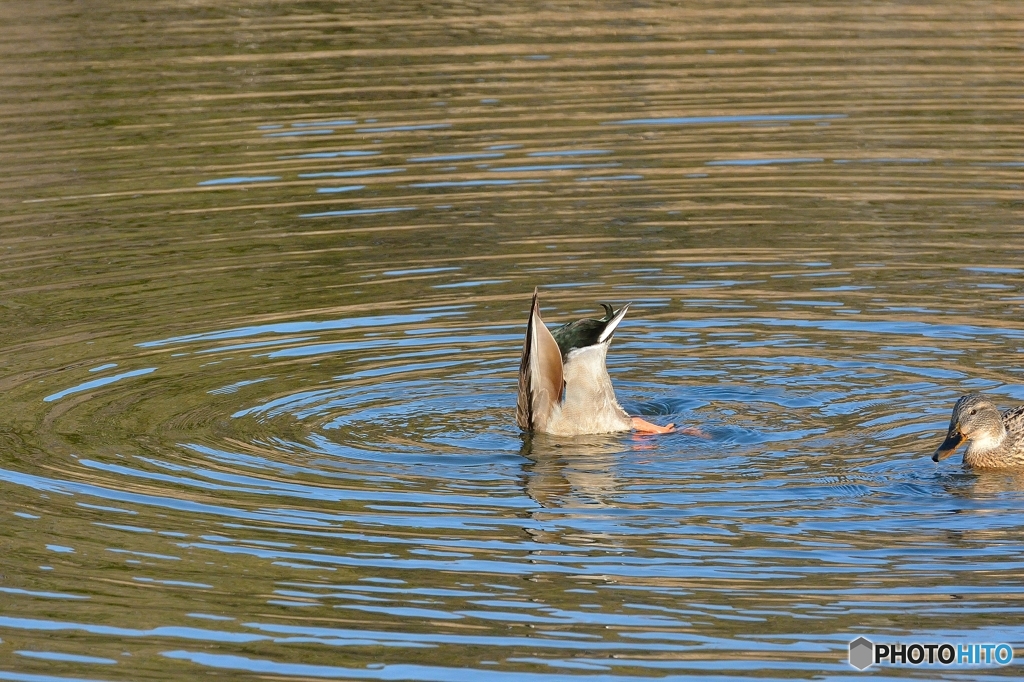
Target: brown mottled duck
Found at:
x=994, y=440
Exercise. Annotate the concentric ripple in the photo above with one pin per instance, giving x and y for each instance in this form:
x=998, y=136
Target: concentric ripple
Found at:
x=265, y=276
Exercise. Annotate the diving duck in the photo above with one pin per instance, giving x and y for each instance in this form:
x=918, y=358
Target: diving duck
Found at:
x=564, y=387
x=996, y=441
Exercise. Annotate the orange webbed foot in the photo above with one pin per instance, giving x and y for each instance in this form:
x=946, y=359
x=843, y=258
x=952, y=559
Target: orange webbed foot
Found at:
x=644, y=426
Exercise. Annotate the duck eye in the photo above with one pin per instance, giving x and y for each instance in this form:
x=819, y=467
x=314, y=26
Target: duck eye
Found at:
x=973, y=411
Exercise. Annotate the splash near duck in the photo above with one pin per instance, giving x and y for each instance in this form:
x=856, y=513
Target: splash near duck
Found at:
x=564, y=387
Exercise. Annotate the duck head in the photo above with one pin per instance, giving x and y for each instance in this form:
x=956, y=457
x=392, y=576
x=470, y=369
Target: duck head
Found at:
x=974, y=419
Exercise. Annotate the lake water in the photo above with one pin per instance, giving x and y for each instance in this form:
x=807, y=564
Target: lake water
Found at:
x=266, y=272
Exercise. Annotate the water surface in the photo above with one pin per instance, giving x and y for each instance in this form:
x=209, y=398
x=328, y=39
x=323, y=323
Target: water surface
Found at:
x=265, y=277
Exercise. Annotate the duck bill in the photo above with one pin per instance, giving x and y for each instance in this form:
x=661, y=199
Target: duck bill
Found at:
x=953, y=440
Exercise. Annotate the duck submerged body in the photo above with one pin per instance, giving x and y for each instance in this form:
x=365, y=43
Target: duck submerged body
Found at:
x=564, y=387
x=994, y=440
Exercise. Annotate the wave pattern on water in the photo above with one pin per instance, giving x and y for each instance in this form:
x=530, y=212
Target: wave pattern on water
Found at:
x=266, y=272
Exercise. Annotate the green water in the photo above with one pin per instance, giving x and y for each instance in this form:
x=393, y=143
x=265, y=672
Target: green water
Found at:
x=264, y=282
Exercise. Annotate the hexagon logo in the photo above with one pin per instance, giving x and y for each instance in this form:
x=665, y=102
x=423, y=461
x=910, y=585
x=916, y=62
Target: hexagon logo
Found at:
x=862, y=653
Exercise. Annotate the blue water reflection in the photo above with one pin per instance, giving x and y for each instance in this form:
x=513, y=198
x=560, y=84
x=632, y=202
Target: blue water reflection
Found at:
x=263, y=326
